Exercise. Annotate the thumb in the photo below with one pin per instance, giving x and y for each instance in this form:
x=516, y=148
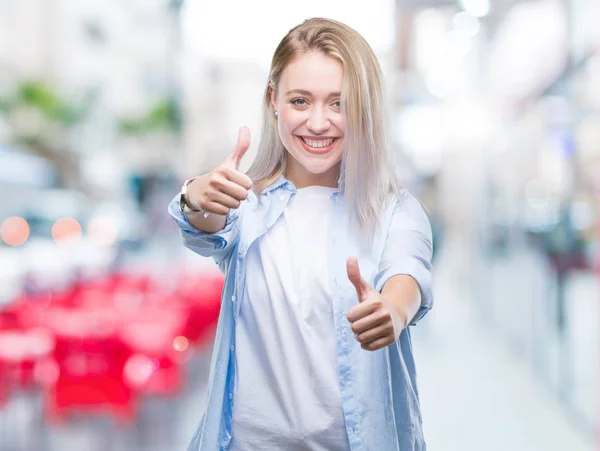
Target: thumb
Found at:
x=242, y=145
x=354, y=276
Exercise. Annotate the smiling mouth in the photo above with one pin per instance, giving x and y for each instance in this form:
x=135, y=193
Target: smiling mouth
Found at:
x=317, y=145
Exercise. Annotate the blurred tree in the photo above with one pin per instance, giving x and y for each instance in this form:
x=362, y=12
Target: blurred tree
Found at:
x=48, y=102
x=163, y=116
x=40, y=120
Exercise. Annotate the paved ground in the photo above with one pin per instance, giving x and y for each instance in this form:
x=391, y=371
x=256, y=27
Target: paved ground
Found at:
x=478, y=393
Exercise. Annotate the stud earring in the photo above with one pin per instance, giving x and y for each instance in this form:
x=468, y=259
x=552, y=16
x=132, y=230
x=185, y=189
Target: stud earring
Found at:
x=276, y=114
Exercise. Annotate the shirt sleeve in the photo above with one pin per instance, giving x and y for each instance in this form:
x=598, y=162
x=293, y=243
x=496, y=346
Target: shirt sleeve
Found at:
x=408, y=250
x=217, y=245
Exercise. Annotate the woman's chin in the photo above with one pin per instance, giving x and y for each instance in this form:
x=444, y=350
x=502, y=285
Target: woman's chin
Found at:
x=306, y=173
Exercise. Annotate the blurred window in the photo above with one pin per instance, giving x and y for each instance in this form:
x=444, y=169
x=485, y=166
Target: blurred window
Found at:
x=95, y=32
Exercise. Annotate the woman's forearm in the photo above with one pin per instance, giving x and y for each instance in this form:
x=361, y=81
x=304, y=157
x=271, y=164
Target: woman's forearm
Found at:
x=403, y=292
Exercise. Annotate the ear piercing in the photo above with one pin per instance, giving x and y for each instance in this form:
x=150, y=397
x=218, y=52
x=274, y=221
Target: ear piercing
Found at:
x=276, y=114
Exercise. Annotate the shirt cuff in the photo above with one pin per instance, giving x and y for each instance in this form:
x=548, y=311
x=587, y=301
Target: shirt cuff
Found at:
x=411, y=267
x=199, y=239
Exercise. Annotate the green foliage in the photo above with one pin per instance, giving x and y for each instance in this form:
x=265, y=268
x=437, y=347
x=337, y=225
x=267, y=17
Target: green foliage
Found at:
x=163, y=116
x=46, y=100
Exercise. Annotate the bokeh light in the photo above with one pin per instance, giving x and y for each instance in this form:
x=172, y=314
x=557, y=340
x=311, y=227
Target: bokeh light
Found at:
x=138, y=370
x=180, y=343
x=66, y=230
x=14, y=231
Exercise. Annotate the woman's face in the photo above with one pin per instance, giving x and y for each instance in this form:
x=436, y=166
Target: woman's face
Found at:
x=309, y=119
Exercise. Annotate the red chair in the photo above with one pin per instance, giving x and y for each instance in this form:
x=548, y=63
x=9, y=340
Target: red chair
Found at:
x=3, y=385
x=156, y=366
x=91, y=360
x=21, y=351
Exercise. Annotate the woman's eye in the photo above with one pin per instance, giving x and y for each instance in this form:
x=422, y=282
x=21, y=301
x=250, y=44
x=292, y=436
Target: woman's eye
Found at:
x=336, y=104
x=298, y=102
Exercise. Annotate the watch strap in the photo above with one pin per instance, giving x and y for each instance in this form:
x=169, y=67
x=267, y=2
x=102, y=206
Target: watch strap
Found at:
x=184, y=207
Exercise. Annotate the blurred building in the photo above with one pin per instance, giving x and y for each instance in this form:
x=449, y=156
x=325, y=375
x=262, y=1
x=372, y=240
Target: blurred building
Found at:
x=118, y=59
x=497, y=102
x=216, y=102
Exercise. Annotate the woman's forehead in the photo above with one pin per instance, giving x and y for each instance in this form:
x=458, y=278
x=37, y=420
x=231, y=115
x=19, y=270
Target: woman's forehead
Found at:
x=313, y=72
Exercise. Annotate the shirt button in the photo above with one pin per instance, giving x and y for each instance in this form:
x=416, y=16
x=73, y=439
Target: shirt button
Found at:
x=233, y=298
x=230, y=395
x=242, y=249
x=232, y=348
x=282, y=198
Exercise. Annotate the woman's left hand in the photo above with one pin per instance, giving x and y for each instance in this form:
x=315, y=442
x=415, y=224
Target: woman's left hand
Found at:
x=376, y=323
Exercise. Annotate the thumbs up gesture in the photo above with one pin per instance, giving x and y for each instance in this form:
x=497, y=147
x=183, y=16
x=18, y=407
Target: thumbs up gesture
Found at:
x=224, y=187
x=374, y=321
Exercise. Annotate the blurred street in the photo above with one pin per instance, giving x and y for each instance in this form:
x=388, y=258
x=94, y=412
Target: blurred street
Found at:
x=107, y=106
x=476, y=390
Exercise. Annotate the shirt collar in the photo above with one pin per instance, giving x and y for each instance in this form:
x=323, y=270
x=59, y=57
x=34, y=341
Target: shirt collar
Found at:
x=280, y=182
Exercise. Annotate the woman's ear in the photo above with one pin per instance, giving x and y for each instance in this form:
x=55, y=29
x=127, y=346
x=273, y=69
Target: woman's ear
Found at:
x=273, y=96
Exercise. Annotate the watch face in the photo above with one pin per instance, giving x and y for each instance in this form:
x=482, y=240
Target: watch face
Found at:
x=182, y=203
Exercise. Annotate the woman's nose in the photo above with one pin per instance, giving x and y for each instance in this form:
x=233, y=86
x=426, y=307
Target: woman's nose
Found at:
x=318, y=122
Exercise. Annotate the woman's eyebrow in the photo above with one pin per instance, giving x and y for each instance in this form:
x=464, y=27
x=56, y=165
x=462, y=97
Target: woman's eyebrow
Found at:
x=304, y=92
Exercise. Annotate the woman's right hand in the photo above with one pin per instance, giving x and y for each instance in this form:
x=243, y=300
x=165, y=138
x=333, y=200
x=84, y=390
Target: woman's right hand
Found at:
x=223, y=188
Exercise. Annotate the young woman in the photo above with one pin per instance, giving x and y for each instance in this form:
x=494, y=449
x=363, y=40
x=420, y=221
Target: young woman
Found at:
x=327, y=263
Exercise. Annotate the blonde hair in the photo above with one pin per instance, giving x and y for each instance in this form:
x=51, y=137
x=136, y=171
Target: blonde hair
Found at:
x=367, y=176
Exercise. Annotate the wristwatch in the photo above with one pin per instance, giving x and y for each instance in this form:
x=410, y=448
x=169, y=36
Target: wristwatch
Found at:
x=184, y=208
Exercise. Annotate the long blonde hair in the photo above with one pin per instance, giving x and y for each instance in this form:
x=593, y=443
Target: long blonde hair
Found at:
x=367, y=177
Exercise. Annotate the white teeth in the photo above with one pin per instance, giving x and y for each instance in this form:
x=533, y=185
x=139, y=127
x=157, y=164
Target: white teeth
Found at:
x=318, y=143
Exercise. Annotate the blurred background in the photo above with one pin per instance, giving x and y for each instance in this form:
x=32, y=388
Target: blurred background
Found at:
x=106, y=321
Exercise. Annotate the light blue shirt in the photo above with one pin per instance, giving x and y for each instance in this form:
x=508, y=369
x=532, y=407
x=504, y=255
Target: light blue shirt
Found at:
x=378, y=389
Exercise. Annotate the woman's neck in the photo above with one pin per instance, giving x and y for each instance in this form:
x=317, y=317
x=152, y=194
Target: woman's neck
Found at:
x=301, y=178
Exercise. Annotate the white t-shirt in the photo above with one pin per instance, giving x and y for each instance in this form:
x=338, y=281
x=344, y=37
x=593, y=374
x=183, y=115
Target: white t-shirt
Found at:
x=287, y=391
